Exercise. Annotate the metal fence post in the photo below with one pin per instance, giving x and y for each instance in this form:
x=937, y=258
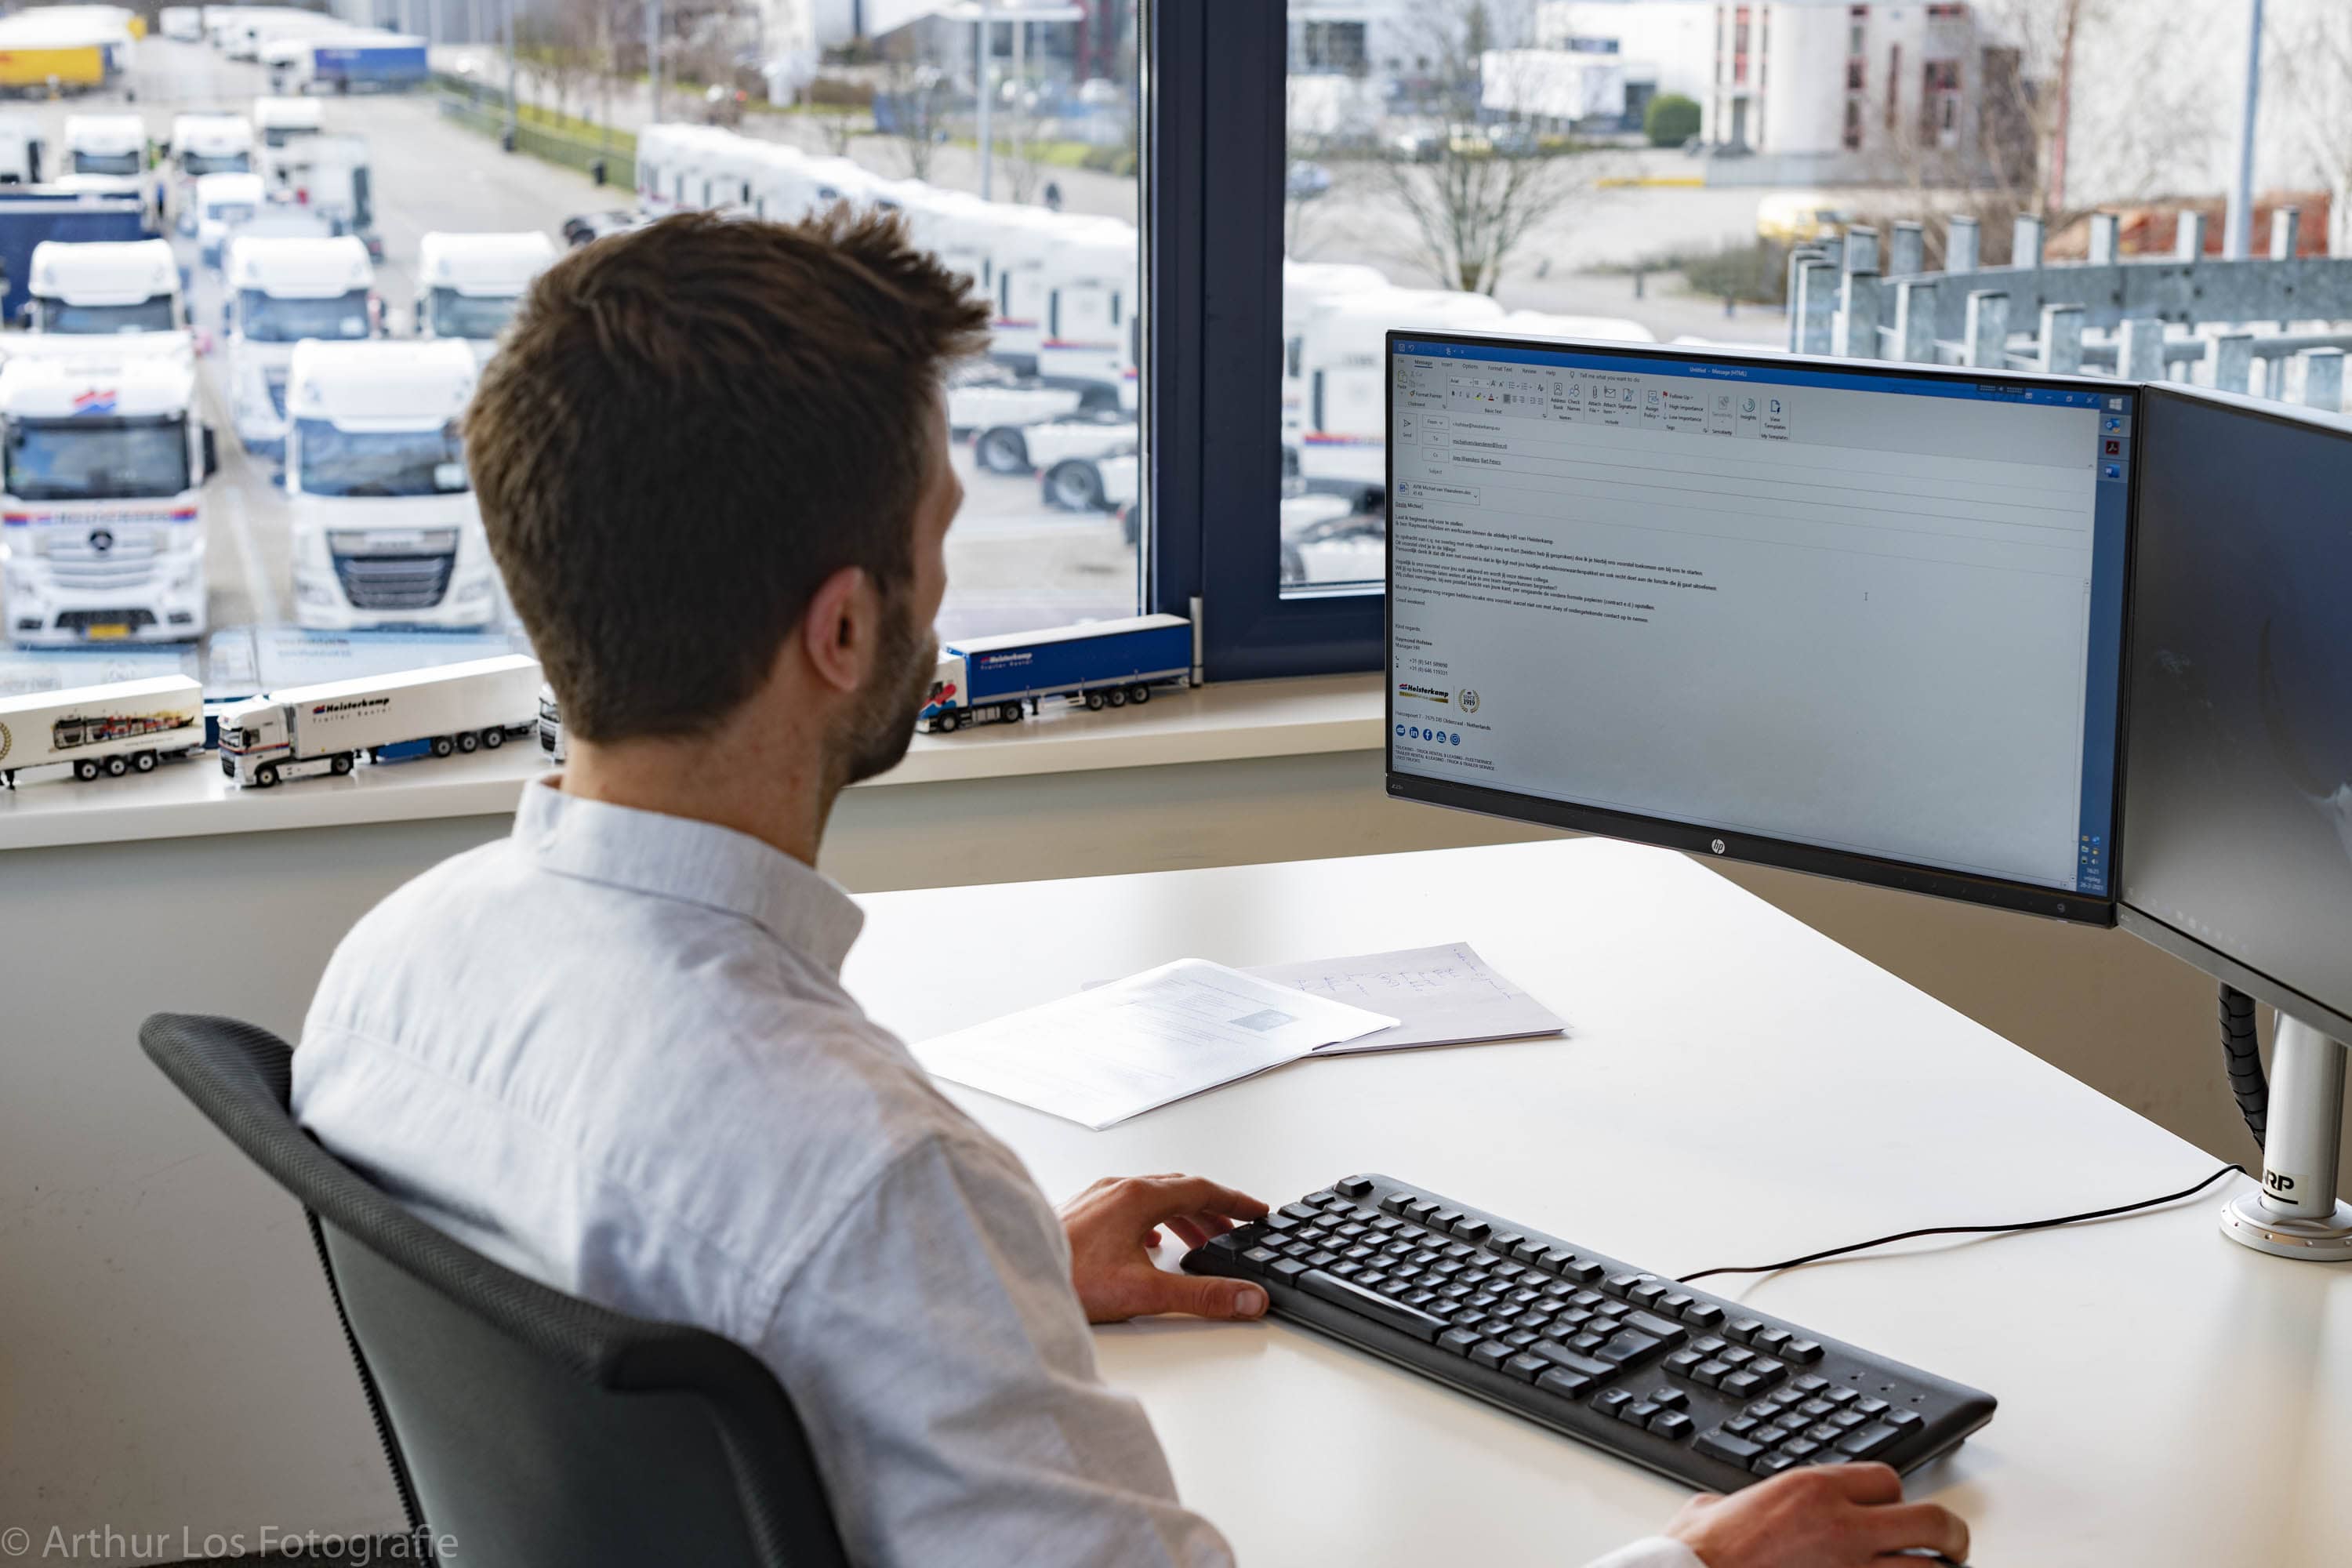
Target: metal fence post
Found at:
x=2323, y=379
x=1795, y=293
x=1861, y=248
x=1906, y=250
x=1914, y=320
x=2061, y=338
x=2286, y=228
x=2189, y=244
x=1960, y=245
x=2143, y=350
x=2103, y=230
x=1816, y=296
x=2025, y=241
x=1858, y=307
x=1986, y=345
x=2230, y=358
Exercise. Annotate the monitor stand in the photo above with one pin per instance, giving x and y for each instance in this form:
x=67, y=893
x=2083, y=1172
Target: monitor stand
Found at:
x=2296, y=1214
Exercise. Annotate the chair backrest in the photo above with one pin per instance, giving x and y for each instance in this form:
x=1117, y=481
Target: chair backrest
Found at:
x=525, y=1426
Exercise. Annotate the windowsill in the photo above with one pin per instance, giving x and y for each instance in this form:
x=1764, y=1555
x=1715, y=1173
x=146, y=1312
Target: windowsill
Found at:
x=1225, y=723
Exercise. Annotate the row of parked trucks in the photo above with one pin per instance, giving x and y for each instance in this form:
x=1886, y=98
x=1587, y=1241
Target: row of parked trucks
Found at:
x=304, y=51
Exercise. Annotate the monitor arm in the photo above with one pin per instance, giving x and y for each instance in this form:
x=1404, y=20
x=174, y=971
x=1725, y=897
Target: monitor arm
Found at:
x=2296, y=1214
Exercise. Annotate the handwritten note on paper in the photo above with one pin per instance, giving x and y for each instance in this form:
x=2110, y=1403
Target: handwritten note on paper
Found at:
x=1439, y=996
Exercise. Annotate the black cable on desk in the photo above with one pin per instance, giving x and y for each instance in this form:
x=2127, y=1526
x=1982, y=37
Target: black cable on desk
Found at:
x=1966, y=1230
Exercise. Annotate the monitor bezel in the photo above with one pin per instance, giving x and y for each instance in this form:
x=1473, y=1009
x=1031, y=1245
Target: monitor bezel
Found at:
x=1721, y=844
x=2146, y=924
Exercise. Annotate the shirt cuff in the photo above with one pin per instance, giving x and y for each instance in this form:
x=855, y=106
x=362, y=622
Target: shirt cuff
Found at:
x=1653, y=1552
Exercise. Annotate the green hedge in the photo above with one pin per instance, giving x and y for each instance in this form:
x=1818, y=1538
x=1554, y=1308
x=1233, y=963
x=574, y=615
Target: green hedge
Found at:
x=1671, y=119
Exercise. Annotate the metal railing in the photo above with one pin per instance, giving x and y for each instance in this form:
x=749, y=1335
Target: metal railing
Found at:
x=2275, y=327
x=485, y=113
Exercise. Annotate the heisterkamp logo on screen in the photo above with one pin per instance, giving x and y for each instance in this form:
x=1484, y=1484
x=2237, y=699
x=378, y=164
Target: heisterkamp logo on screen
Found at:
x=1427, y=693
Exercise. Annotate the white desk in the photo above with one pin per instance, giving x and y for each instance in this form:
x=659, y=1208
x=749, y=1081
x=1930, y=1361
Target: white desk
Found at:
x=1737, y=1088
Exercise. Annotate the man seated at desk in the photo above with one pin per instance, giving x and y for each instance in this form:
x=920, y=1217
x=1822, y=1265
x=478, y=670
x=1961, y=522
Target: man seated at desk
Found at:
x=612, y=1050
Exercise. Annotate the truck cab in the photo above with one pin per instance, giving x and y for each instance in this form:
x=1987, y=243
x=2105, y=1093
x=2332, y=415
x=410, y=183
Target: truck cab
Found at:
x=467, y=284
x=203, y=144
x=282, y=291
x=1305, y=286
x=217, y=203
x=103, y=533
x=1091, y=330
x=329, y=176
x=1021, y=240
x=128, y=292
x=387, y=534
x=21, y=145
x=106, y=151
x=282, y=121
x=1343, y=353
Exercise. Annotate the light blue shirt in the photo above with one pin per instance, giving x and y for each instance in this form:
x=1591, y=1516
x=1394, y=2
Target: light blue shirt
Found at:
x=612, y=1052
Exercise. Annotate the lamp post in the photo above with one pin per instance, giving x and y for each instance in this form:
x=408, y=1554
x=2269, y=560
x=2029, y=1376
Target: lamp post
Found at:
x=2239, y=243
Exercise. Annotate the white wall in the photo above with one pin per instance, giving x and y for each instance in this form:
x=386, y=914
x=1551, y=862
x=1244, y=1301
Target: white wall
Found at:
x=1676, y=36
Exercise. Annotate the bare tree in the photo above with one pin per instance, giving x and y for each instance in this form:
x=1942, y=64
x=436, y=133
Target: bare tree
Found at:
x=1475, y=188
x=2315, y=99
x=1021, y=126
x=918, y=94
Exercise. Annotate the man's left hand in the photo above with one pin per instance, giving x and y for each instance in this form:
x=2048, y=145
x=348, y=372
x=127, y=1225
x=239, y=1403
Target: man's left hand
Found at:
x=1113, y=1226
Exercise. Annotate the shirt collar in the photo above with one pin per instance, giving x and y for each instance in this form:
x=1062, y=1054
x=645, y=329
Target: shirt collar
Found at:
x=693, y=862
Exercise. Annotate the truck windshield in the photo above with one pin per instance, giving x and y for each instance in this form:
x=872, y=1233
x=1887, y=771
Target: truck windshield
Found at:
x=267, y=319
x=227, y=213
x=284, y=135
x=82, y=458
x=456, y=315
x=154, y=315
x=337, y=462
x=194, y=163
x=105, y=162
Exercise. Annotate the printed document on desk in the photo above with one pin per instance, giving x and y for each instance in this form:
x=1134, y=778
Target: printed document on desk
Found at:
x=1135, y=1044
x=1442, y=996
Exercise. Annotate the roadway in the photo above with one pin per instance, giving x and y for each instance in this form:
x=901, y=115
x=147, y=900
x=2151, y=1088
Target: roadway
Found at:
x=1016, y=563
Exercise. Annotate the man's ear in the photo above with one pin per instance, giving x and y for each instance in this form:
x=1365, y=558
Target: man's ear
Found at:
x=838, y=632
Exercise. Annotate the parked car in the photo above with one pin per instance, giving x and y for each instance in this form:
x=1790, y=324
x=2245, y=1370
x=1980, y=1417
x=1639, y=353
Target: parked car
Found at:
x=582, y=228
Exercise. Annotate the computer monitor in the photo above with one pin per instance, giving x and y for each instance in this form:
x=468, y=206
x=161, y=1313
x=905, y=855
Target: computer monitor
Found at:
x=2238, y=771
x=1849, y=619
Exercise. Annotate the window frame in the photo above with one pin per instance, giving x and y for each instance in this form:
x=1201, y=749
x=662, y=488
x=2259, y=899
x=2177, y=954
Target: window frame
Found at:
x=1215, y=110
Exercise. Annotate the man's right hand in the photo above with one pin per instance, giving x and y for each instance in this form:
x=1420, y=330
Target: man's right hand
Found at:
x=1826, y=1516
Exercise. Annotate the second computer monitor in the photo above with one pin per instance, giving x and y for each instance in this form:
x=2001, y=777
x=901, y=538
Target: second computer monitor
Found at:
x=1863, y=622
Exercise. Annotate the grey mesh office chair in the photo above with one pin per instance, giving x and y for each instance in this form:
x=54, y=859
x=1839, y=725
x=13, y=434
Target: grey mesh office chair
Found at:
x=534, y=1429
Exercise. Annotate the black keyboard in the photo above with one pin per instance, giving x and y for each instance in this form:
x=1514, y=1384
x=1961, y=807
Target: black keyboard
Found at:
x=1712, y=1395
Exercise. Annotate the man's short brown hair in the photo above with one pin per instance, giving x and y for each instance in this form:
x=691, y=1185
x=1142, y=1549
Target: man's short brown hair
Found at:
x=687, y=430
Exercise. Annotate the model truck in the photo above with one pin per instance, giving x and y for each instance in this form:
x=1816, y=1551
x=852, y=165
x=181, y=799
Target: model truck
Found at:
x=326, y=728
x=125, y=726
x=101, y=522
x=1107, y=664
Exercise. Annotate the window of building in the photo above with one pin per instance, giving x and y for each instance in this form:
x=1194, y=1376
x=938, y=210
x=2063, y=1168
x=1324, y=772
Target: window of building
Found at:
x=1853, y=124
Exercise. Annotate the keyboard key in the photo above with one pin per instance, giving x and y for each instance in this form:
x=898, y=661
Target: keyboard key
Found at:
x=1801, y=1450
x=1639, y=1413
x=1675, y=1303
x=1351, y=1230
x=1507, y=1244
x=1613, y=1401
x=1847, y=1420
x=1904, y=1420
x=1525, y=1365
x=1573, y=1360
x=1664, y=1329
x=1492, y=1353
x=1674, y=1423
x=1709, y=1373
x=1823, y=1432
x=1261, y=1257
x=1740, y=1385
x=1520, y=1338
x=1612, y=1310
x=1670, y=1398
x=1871, y=1406
x=1446, y=1219
x=1588, y=1342
x=1646, y=1293
x=1621, y=1283
x=1588, y=1299
x=1567, y=1385
x=1731, y=1449
x=1770, y=1341
x=1814, y=1409
x=1736, y=1355
x=1870, y=1442
x=1289, y=1269
x=1772, y=1464
x=1461, y=1341
x=1629, y=1348
x=1809, y=1383
x=1321, y=1259
x=1744, y=1328
x=1471, y=1229
x=1555, y=1260
x=1531, y=1251
x=1300, y=1212
x=1706, y=1315
x=1682, y=1363
x=1420, y=1209
x=1370, y=1278
x=1805, y=1352
x=1766, y=1373
x=1347, y=1267
x=1584, y=1271
x=1740, y=1426
x=1396, y=1315
x=1354, y=1186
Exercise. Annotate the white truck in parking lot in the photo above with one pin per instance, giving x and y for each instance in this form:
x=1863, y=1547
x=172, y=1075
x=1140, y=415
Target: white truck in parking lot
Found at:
x=467, y=284
x=121, y=727
x=203, y=145
x=282, y=291
x=386, y=532
x=284, y=121
x=217, y=204
x=106, y=151
x=126, y=292
x=326, y=728
x=101, y=526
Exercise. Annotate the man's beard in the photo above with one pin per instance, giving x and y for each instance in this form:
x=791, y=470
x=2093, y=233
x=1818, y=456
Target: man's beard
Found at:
x=880, y=724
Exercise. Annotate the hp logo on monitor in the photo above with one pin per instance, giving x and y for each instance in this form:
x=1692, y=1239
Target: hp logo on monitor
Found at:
x=1718, y=845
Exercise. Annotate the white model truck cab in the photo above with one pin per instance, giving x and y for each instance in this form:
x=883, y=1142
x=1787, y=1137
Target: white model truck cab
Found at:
x=108, y=150
x=219, y=203
x=101, y=533
x=203, y=144
x=282, y=291
x=125, y=290
x=467, y=284
x=386, y=533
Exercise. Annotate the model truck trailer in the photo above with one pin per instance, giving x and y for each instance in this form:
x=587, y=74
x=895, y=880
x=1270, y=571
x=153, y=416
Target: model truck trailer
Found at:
x=125, y=726
x=1108, y=663
x=326, y=728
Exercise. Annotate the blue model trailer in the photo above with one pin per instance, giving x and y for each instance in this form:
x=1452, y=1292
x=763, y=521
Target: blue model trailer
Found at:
x=1107, y=664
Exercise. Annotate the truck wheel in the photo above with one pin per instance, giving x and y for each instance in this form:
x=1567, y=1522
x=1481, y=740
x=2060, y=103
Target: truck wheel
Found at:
x=1138, y=694
x=1001, y=451
x=1093, y=701
x=266, y=775
x=1116, y=697
x=950, y=722
x=117, y=766
x=1009, y=714
x=468, y=741
x=341, y=765
x=1075, y=486
x=85, y=769
x=144, y=762
x=442, y=746
x=494, y=739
